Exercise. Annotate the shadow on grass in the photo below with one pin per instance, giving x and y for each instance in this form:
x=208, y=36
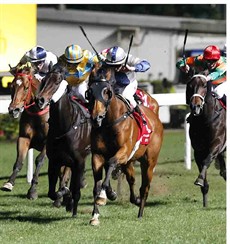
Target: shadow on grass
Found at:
x=7, y=215
x=22, y=176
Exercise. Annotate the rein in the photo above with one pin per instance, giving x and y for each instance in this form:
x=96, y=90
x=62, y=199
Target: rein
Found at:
x=123, y=117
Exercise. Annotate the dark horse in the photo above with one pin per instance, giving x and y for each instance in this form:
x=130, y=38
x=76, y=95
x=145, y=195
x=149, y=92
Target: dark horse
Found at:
x=68, y=141
x=33, y=125
x=116, y=142
x=207, y=129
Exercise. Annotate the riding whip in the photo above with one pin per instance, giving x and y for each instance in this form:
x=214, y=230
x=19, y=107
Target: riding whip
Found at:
x=185, y=39
x=130, y=44
x=98, y=56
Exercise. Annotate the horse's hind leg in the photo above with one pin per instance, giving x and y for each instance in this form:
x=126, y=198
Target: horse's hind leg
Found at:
x=130, y=177
x=39, y=161
x=63, y=194
x=221, y=162
x=22, y=149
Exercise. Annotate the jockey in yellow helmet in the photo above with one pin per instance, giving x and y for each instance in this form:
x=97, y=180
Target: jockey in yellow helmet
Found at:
x=79, y=64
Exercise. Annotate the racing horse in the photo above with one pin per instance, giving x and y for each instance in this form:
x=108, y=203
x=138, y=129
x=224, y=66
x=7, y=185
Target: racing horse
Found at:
x=117, y=140
x=68, y=139
x=33, y=126
x=207, y=129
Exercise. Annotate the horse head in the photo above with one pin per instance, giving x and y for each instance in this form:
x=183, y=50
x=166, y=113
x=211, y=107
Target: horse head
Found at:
x=51, y=82
x=99, y=96
x=23, y=88
x=196, y=92
x=102, y=72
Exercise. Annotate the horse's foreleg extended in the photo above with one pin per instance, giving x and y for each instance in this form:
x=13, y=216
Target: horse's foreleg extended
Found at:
x=32, y=192
x=97, y=166
x=22, y=149
x=53, y=172
x=204, y=189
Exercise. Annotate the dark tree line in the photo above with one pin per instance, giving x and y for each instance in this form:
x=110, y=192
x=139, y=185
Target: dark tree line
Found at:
x=206, y=11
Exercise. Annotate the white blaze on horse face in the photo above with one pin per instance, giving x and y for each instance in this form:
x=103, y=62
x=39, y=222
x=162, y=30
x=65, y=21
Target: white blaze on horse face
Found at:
x=18, y=82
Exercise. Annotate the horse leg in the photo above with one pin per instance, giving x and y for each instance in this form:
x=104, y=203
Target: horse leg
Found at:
x=111, y=194
x=204, y=190
x=64, y=178
x=39, y=161
x=202, y=178
x=221, y=161
x=77, y=173
x=97, y=166
x=130, y=177
x=22, y=149
x=53, y=172
x=203, y=162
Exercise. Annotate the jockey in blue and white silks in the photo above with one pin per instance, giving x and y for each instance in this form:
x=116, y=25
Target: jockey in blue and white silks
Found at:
x=125, y=73
x=126, y=82
x=41, y=59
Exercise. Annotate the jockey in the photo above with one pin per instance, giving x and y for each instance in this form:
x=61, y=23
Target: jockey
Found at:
x=215, y=63
x=41, y=59
x=125, y=73
x=79, y=64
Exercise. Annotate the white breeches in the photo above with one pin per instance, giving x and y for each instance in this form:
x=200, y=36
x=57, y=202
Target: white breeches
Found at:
x=221, y=90
x=79, y=90
x=128, y=92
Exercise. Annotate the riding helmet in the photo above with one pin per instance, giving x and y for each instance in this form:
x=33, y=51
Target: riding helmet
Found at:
x=37, y=54
x=73, y=54
x=212, y=53
x=115, y=56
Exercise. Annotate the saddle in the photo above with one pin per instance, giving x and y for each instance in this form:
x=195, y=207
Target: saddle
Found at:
x=144, y=130
x=77, y=102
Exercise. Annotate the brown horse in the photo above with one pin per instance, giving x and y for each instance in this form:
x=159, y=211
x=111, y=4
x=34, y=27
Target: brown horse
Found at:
x=33, y=126
x=207, y=129
x=116, y=141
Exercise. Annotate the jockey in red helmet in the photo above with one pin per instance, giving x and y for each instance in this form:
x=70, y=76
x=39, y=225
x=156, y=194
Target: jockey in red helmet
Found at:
x=215, y=63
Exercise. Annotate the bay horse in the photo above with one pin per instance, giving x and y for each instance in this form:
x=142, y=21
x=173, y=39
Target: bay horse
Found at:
x=116, y=141
x=207, y=129
x=33, y=125
x=68, y=139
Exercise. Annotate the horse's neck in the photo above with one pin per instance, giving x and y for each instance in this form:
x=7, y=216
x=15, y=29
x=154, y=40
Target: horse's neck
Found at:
x=116, y=109
x=63, y=113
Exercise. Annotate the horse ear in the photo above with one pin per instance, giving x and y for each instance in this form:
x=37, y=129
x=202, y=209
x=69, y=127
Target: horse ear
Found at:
x=13, y=70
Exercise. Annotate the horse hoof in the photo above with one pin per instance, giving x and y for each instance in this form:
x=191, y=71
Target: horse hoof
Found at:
x=111, y=195
x=57, y=204
x=7, y=187
x=94, y=222
x=32, y=195
x=101, y=201
x=199, y=182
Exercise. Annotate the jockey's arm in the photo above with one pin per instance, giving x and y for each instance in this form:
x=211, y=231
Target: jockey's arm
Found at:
x=220, y=71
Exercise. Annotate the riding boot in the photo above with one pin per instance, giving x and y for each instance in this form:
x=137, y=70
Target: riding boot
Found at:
x=137, y=99
x=137, y=109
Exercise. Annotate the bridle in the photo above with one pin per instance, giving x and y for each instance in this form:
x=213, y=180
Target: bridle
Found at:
x=197, y=94
x=30, y=87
